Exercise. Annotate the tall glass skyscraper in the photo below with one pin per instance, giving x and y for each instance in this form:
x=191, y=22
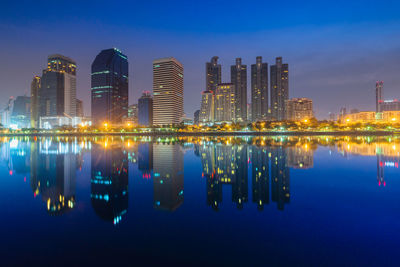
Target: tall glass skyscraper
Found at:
x=279, y=89
x=109, y=87
x=239, y=80
x=259, y=90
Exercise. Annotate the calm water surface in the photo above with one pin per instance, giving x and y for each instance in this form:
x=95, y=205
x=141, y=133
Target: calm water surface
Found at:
x=304, y=201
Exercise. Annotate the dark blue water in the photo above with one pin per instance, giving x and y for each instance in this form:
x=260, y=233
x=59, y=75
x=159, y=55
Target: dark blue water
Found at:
x=303, y=201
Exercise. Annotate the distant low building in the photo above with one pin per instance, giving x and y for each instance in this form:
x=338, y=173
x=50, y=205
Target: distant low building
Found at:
x=145, y=109
x=363, y=116
x=54, y=122
x=299, y=109
x=133, y=113
x=21, y=113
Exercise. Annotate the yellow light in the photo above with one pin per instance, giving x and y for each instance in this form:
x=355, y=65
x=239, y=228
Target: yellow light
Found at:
x=393, y=119
x=106, y=124
x=305, y=120
x=348, y=120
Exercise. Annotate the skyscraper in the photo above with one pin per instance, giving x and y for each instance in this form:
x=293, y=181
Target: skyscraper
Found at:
x=279, y=89
x=225, y=102
x=196, y=117
x=145, y=105
x=379, y=95
x=109, y=87
x=213, y=74
x=35, y=87
x=259, y=90
x=207, y=107
x=167, y=91
x=239, y=80
x=57, y=94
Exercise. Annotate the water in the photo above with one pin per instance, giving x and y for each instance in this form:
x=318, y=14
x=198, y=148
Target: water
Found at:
x=200, y=201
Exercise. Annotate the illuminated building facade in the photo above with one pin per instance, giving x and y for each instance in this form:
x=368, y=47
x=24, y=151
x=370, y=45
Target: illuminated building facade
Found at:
x=145, y=112
x=279, y=89
x=57, y=94
x=35, y=88
x=109, y=87
x=168, y=176
x=207, y=107
x=213, y=74
x=389, y=105
x=298, y=109
x=239, y=80
x=224, y=103
x=259, y=90
x=109, y=182
x=167, y=91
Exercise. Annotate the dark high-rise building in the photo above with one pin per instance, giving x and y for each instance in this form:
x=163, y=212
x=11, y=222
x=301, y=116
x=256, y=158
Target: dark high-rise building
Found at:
x=79, y=108
x=109, y=182
x=280, y=175
x=145, y=105
x=168, y=176
x=35, y=88
x=379, y=95
x=259, y=90
x=279, y=89
x=239, y=80
x=260, y=176
x=213, y=74
x=109, y=87
x=196, y=117
x=57, y=94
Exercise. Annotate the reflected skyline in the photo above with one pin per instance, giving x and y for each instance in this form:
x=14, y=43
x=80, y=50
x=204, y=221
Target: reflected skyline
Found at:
x=258, y=170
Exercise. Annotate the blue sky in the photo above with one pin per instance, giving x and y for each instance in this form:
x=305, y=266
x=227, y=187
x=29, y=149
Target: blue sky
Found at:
x=336, y=50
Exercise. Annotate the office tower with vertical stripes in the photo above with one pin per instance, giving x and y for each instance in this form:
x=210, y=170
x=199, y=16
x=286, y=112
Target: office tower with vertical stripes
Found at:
x=259, y=90
x=167, y=91
x=279, y=89
x=239, y=80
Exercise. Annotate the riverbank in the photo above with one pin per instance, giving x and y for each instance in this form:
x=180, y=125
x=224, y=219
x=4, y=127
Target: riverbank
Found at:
x=236, y=133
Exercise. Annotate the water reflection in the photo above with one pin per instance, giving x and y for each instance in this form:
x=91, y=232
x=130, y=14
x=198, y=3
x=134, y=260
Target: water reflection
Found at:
x=109, y=181
x=53, y=168
x=51, y=165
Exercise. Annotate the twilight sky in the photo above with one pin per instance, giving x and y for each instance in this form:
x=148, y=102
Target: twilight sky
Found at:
x=336, y=50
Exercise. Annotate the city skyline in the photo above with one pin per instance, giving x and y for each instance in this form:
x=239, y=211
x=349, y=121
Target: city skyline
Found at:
x=345, y=54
